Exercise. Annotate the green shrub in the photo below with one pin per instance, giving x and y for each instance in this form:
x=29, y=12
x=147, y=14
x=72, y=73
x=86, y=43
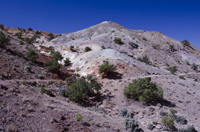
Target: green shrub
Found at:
x=21, y=42
x=194, y=67
x=69, y=80
x=106, y=68
x=188, y=129
x=67, y=62
x=186, y=42
x=118, y=41
x=53, y=65
x=181, y=120
x=24, y=30
x=52, y=52
x=79, y=117
x=31, y=55
x=29, y=40
x=51, y=36
x=57, y=56
x=144, y=39
x=157, y=47
x=38, y=32
x=103, y=47
x=150, y=126
x=72, y=48
x=168, y=122
x=2, y=26
x=42, y=90
x=143, y=89
x=181, y=77
x=144, y=59
x=30, y=29
x=87, y=49
x=133, y=45
x=81, y=89
x=3, y=39
x=172, y=70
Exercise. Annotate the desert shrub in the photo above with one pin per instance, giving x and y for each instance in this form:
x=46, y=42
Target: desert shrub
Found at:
x=133, y=45
x=144, y=59
x=144, y=39
x=188, y=129
x=168, y=122
x=62, y=92
x=69, y=80
x=2, y=26
x=72, y=48
x=38, y=32
x=21, y=42
x=103, y=47
x=57, y=56
x=30, y=29
x=118, y=41
x=106, y=68
x=29, y=40
x=194, y=67
x=157, y=46
x=51, y=36
x=181, y=120
x=186, y=42
x=42, y=90
x=181, y=77
x=53, y=65
x=172, y=112
x=24, y=30
x=81, y=89
x=131, y=125
x=3, y=39
x=172, y=70
x=27, y=68
x=31, y=55
x=87, y=49
x=150, y=126
x=143, y=89
x=171, y=47
x=19, y=35
x=79, y=117
x=52, y=52
x=67, y=62
x=123, y=112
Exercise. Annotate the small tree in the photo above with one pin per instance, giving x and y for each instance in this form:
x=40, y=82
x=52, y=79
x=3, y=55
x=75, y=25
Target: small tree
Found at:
x=3, y=40
x=30, y=29
x=53, y=65
x=134, y=45
x=79, y=117
x=81, y=89
x=72, y=48
x=21, y=42
x=168, y=122
x=2, y=26
x=194, y=67
x=186, y=42
x=57, y=56
x=106, y=68
x=144, y=59
x=87, y=49
x=171, y=47
x=31, y=55
x=38, y=32
x=118, y=41
x=67, y=62
x=19, y=35
x=143, y=89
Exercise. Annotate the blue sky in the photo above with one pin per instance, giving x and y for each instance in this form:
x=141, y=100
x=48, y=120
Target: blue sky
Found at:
x=177, y=19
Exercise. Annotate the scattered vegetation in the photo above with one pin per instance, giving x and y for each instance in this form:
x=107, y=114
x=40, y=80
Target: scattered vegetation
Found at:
x=186, y=42
x=168, y=122
x=72, y=48
x=87, y=49
x=38, y=32
x=3, y=40
x=21, y=42
x=118, y=41
x=42, y=90
x=29, y=40
x=194, y=67
x=171, y=47
x=157, y=47
x=82, y=88
x=53, y=65
x=181, y=77
x=106, y=68
x=172, y=70
x=150, y=126
x=51, y=36
x=79, y=117
x=188, y=129
x=57, y=56
x=2, y=26
x=31, y=55
x=67, y=62
x=144, y=59
x=19, y=35
x=103, y=47
x=133, y=45
x=143, y=89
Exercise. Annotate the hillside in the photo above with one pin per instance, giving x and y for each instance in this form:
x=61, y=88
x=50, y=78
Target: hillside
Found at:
x=181, y=90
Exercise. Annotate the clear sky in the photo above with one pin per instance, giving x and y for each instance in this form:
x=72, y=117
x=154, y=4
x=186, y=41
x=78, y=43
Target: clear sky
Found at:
x=178, y=19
